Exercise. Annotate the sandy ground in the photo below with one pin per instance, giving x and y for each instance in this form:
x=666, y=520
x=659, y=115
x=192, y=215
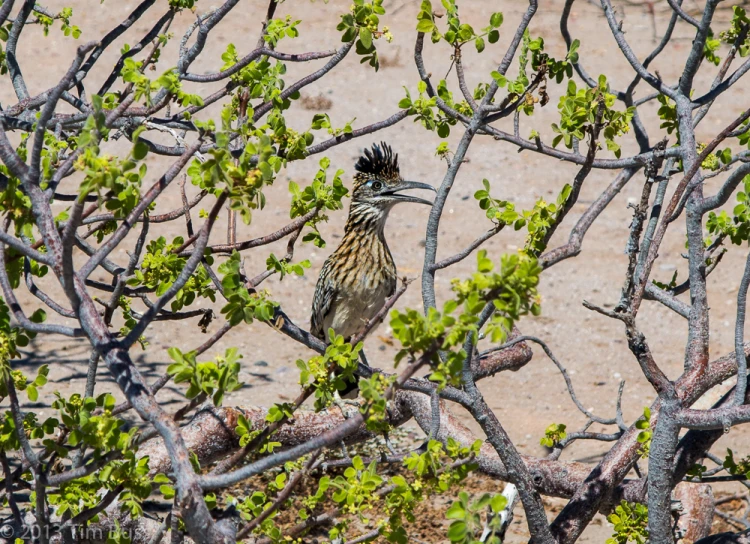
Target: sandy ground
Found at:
x=592, y=347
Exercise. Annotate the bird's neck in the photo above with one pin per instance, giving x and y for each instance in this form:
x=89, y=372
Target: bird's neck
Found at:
x=364, y=238
x=366, y=219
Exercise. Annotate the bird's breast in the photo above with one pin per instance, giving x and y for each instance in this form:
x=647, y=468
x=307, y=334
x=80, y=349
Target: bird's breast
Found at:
x=366, y=276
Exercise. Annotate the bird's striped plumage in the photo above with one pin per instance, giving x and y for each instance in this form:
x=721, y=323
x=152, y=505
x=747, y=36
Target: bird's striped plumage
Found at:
x=360, y=275
x=356, y=279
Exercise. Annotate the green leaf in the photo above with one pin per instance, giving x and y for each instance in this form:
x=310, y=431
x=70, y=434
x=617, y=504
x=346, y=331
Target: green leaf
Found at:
x=365, y=37
x=140, y=150
x=425, y=25
x=32, y=393
x=499, y=78
x=457, y=531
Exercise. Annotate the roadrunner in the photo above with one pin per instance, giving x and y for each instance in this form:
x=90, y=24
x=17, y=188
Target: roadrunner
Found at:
x=360, y=275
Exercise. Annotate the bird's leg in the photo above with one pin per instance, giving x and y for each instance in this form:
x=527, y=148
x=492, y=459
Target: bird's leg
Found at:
x=363, y=358
x=344, y=404
x=388, y=443
x=344, y=451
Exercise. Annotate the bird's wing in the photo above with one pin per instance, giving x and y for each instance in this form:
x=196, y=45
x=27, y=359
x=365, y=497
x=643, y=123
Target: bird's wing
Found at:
x=392, y=287
x=325, y=294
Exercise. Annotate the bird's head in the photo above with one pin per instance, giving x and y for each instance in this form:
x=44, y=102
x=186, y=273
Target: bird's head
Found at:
x=378, y=181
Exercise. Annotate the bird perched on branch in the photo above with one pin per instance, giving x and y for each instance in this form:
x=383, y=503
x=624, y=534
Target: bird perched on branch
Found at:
x=358, y=278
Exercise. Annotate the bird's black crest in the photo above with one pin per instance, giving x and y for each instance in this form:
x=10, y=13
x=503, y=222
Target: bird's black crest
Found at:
x=380, y=161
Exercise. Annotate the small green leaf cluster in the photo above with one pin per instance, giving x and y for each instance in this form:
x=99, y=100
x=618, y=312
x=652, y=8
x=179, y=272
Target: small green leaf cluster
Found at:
x=51, y=151
x=242, y=305
x=279, y=412
x=631, y=523
x=667, y=286
x=144, y=88
x=253, y=506
x=714, y=161
x=512, y=289
x=553, y=435
x=355, y=489
x=4, y=35
x=165, y=487
x=446, y=96
x=210, y=378
x=556, y=69
x=133, y=475
x=736, y=227
x=161, y=267
x=16, y=205
x=710, y=48
x=419, y=334
x=696, y=471
x=94, y=129
x=425, y=110
x=435, y=470
x=256, y=504
x=260, y=78
x=16, y=262
x=542, y=63
x=466, y=514
x=442, y=150
x=130, y=474
x=363, y=21
x=744, y=133
x=331, y=371
x=247, y=432
x=129, y=320
x=76, y=496
x=117, y=535
x=170, y=82
x=277, y=29
x=119, y=180
x=322, y=120
x=539, y=220
x=12, y=338
x=314, y=499
x=667, y=112
x=283, y=267
x=737, y=467
x=458, y=33
x=179, y=5
x=33, y=430
x=501, y=211
x=96, y=429
x=68, y=30
x=21, y=382
x=64, y=16
x=578, y=110
x=373, y=390
x=321, y=195
x=116, y=181
x=739, y=21
x=291, y=145
x=244, y=178
x=430, y=465
x=644, y=436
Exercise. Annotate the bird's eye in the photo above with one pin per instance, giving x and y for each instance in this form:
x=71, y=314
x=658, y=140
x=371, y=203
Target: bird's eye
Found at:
x=376, y=185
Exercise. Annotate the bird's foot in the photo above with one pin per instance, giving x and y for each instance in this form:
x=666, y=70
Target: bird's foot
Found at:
x=388, y=444
x=345, y=405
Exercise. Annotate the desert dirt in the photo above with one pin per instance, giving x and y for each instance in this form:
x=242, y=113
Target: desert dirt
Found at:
x=591, y=346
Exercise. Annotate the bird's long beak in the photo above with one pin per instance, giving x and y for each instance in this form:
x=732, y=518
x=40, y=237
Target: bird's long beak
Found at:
x=405, y=186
